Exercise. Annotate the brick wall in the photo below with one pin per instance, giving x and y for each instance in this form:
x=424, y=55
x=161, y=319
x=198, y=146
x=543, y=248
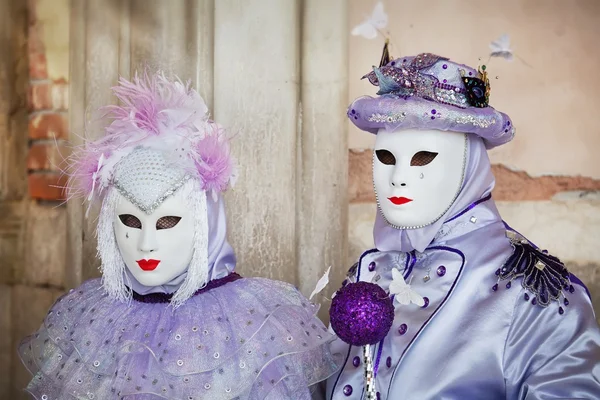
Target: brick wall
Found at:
x=48, y=103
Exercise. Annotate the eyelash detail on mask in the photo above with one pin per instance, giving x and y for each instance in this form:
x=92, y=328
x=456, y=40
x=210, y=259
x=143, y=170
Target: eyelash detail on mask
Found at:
x=385, y=157
x=167, y=222
x=131, y=221
x=422, y=158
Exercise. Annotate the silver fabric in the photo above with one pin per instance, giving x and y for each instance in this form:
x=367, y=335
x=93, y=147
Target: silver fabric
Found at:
x=146, y=178
x=471, y=342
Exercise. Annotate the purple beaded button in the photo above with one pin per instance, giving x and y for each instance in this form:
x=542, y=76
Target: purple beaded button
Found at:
x=402, y=329
x=441, y=271
x=347, y=390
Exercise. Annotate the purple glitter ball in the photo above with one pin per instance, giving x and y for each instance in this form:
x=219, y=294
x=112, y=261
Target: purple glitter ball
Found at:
x=361, y=313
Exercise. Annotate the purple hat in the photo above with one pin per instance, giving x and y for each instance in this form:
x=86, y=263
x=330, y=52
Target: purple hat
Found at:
x=430, y=92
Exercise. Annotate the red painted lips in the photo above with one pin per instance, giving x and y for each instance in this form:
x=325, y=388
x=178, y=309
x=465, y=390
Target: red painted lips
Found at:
x=399, y=200
x=148, y=265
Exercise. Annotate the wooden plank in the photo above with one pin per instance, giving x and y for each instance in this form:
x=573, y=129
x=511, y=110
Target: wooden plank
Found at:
x=95, y=39
x=6, y=348
x=14, y=80
x=45, y=244
x=256, y=76
x=323, y=182
x=161, y=37
x=11, y=240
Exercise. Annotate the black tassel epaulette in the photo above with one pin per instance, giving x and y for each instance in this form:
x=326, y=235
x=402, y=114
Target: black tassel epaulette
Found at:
x=544, y=276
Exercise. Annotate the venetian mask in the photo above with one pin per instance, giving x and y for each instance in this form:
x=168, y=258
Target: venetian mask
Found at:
x=155, y=247
x=417, y=174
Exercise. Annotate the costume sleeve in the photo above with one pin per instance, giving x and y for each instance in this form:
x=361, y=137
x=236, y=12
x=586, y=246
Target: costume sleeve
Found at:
x=553, y=355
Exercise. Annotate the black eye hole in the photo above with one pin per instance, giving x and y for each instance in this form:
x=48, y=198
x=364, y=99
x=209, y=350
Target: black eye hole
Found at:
x=167, y=222
x=422, y=158
x=385, y=157
x=131, y=221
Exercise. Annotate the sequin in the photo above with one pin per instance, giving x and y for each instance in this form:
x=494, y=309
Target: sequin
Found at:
x=207, y=386
x=391, y=118
x=402, y=329
x=180, y=362
x=480, y=122
x=96, y=363
x=347, y=390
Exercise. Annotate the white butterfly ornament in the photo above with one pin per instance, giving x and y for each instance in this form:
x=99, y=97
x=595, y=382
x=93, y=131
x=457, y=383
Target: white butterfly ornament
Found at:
x=402, y=292
x=373, y=24
x=321, y=283
x=501, y=48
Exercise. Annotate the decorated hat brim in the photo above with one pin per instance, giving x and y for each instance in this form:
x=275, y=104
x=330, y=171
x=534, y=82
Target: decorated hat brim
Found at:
x=392, y=112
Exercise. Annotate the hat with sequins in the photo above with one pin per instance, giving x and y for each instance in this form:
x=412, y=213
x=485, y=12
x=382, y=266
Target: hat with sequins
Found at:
x=431, y=92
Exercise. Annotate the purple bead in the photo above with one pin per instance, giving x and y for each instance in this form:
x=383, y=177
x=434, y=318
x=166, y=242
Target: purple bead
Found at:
x=495, y=287
x=372, y=266
x=432, y=117
x=402, y=329
x=445, y=66
x=566, y=302
x=378, y=395
x=433, y=111
x=470, y=73
x=393, y=63
x=361, y=313
x=441, y=271
x=534, y=301
x=508, y=285
x=388, y=362
x=571, y=288
x=356, y=361
x=347, y=390
x=526, y=297
x=353, y=111
x=561, y=311
x=508, y=123
x=445, y=80
x=498, y=272
x=404, y=60
x=426, y=300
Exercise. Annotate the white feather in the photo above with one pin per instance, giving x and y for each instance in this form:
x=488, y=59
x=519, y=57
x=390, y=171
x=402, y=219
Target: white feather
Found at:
x=321, y=283
x=377, y=21
x=501, y=48
x=402, y=292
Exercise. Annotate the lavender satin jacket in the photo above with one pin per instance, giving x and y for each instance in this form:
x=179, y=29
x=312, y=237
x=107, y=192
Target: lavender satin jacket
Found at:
x=502, y=320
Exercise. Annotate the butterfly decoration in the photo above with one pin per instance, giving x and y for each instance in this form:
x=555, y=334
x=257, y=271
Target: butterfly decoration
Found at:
x=402, y=292
x=373, y=24
x=321, y=284
x=501, y=48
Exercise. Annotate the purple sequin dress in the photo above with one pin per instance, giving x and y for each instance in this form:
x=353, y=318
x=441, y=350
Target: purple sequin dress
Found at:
x=240, y=338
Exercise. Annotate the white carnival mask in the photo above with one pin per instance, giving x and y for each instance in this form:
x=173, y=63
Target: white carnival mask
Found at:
x=155, y=247
x=417, y=174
